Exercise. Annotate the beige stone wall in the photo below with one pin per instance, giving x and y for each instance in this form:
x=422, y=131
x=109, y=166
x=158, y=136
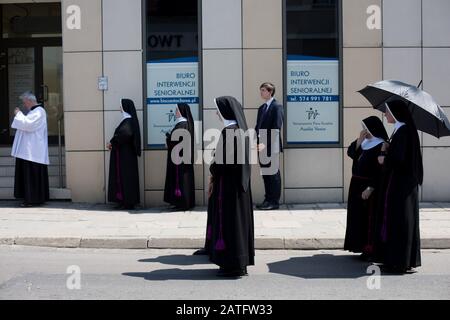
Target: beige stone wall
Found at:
x=83, y=104
x=108, y=44
x=362, y=64
x=237, y=56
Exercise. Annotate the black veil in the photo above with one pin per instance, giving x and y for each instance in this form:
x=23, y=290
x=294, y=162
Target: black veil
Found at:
x=128, y=107
x=399, y=110
x=185, y=111
x=231, y=109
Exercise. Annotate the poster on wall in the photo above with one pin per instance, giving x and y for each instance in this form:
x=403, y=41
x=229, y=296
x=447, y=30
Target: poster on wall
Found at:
x=312, y=100
x=20, y=76
x=169, y=82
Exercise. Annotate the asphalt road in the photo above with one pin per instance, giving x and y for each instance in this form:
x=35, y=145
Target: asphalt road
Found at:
x=46, y=273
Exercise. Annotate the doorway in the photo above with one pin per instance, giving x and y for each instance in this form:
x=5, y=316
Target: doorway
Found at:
x=31, y=60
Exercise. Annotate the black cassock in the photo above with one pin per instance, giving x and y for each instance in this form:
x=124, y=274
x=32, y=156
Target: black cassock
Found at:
x=123, y=169
x=230, y=229
x=31, y=182
x=180, y=184
x=398, y=229
x=361, y=214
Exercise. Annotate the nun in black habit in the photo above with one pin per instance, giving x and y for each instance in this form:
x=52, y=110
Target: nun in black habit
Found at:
x=179, y=188
x=125, y=147
x=399, y=248
x=230, y=229
x=364, y=187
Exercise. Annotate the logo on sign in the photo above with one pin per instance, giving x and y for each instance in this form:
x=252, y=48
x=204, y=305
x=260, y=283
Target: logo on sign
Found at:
x=312, y=114
x=171, y=116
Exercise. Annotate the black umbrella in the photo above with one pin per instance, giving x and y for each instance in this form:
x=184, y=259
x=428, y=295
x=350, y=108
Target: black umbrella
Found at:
x=428, y=116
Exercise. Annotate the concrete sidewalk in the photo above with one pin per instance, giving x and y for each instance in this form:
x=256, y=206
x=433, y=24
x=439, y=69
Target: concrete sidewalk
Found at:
x=72, y=225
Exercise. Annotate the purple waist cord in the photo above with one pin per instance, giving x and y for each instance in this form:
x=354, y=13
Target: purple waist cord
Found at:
x=177, y=186
x=220, y=244
x=385, y=216
x=119, y=194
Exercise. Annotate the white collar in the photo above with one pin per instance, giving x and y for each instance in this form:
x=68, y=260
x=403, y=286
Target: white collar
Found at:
x=269, y=102
x=228, y=123
x=126, y=115
x=398, y=125
x=181, y=119
x=368, y=144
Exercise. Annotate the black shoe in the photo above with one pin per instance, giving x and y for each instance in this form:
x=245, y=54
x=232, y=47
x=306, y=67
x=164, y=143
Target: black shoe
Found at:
x=200, y=252
x=176, y=209
x=119, y=207
x=27, y=205
x=393, y=269
x=261, y=205
x=270, y=206
x=364, y=257
x=232, y=273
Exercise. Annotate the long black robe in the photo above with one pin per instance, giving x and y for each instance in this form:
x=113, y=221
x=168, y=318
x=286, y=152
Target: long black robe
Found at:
x=123, y=168
x=179, y=187
x=399, y=235
x=361, y=214
x=31, y=182
x=230, y=229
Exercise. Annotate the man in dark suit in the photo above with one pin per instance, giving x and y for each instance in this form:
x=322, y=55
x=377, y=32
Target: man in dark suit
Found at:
x=268, y=131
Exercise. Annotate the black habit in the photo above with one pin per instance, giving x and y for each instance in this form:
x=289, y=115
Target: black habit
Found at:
x=180, y=182
x=230, y=228
x=399, y=205
x=123, y=168
x=366, y=172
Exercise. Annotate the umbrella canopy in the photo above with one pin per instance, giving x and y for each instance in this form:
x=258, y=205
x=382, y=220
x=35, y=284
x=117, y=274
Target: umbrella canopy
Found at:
x=428, y=116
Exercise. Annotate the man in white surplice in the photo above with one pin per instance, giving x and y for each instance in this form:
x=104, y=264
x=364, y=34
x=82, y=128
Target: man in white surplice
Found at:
x=30, y=149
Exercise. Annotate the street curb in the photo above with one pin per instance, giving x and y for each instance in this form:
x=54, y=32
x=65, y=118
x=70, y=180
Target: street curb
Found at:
x=114, y=243
x=54, y=242
x=192, y=243
x=435, y=243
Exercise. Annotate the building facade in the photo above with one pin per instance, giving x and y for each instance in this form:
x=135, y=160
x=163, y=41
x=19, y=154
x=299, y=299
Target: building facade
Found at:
x=91, y=53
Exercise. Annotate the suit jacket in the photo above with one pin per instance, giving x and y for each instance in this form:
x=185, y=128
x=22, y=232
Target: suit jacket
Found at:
x=272, y=119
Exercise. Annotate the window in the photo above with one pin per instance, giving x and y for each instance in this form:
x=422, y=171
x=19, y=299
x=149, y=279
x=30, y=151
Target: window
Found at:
x=172, y=64
x=31, y=20
x=312, y=72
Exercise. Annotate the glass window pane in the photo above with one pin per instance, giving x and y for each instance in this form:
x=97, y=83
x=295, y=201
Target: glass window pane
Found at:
x=31, y=20
x=52, y=94
x=172, y=64
x=21, y=77
x=312, y=42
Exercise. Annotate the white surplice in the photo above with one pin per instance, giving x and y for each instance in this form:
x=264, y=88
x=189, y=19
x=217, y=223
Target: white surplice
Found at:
x=31, y=139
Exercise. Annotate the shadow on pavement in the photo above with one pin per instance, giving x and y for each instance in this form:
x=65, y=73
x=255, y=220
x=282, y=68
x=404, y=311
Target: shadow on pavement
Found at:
x=180, y=260
x=98, y=207
x=322, y=266
x=178, y=274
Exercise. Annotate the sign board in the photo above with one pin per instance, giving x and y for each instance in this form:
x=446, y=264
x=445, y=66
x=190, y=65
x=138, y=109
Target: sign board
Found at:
x=169, y=82
x=312, y=100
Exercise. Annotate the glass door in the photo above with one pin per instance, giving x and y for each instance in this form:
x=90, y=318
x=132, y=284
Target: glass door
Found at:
x=30, y=60
x=51, y=89
x=36, y=68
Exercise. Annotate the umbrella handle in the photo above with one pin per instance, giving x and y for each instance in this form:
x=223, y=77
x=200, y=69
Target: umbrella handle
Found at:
x=420, y=83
